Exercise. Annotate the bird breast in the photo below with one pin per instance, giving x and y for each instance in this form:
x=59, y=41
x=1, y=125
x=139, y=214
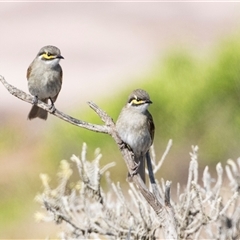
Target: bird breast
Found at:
x=45, y=81
x=133, y=129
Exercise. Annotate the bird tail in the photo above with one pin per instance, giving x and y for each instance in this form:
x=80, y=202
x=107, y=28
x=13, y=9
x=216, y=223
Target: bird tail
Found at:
x=38, y=112
x=141, y=168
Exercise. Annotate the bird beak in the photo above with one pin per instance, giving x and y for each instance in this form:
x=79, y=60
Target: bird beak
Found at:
x=60, y=57
x=149, y=101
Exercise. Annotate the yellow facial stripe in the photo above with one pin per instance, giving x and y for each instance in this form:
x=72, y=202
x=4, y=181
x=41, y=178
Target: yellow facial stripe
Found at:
x=47, y=56
x=137, y=102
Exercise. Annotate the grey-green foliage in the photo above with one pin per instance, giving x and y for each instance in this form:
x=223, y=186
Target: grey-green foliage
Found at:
x=197, y=100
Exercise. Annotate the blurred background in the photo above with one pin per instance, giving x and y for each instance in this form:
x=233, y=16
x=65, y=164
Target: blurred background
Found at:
x=186, y=55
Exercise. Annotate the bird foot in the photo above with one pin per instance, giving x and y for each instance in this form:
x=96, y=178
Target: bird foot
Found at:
x=35, y=100
x=52, y=108
x=125, y=145
x=135, y=168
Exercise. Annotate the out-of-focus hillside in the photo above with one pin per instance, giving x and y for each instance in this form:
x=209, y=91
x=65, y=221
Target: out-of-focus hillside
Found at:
x=181, y=53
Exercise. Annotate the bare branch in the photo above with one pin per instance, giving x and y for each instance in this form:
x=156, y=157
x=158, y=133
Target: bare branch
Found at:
x=108, y=128
x=29, y=98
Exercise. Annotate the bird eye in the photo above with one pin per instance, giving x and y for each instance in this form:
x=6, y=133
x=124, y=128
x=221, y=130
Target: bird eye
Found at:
x=49, y=54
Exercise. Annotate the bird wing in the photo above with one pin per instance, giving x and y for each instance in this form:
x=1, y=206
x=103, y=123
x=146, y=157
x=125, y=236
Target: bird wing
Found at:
x=151, y=126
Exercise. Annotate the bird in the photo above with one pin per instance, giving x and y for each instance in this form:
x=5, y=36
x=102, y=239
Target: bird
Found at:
x=136, y=128
x=44, y=77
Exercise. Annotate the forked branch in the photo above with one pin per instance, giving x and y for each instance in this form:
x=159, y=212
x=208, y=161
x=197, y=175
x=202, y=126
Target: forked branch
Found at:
x=107, y=128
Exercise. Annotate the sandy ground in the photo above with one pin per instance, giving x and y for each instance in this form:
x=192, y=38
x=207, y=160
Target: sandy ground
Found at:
x=104, y=46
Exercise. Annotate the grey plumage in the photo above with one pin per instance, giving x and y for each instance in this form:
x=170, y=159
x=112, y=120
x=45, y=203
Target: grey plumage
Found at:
x=45, y=78
x=136, y=128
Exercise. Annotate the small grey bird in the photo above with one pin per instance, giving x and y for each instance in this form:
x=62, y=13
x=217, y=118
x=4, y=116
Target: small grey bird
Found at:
x=136, y=128
x=44, y=77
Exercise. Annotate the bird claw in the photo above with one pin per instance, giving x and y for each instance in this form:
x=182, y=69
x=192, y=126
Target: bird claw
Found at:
x=135, y=168
x=125, y=145
x=35, y=100
x=136, y=165
x=52, y=108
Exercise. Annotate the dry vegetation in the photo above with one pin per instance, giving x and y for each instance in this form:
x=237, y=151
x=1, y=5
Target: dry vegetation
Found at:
x=204, y=208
